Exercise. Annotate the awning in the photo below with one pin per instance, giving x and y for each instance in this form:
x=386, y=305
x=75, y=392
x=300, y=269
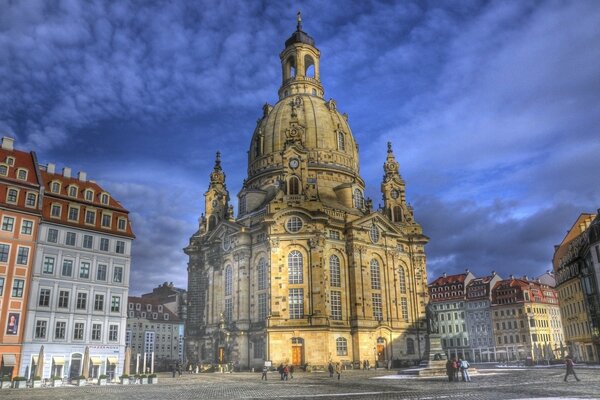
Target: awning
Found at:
x=96, y=360
x=112, y=359
x=9, y=360
x=58, y=360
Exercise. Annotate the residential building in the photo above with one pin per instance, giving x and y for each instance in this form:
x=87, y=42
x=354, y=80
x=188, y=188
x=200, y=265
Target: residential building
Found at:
x=20, y=215
x=307, y=272
x=175, y=299
x=577, y=272
x=478, y=301
x=447, y=297
x=153, y=330
x=80, y=279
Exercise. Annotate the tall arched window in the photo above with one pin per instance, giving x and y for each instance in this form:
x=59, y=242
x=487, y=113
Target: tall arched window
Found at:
x=228, y=281
x=341, y=346
x=309, y=64
x=295, y=268
x=294, y=185
x=341, y=141
x=359, y=201
x=402, y=280
x=212, y=221
x=375, y=281
x=410, y=346
x=397, y=214
x=261, y=273
x=334, y=271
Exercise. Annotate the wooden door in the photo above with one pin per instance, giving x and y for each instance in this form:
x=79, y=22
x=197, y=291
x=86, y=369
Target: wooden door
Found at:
x=296, y=355
x=381, y=352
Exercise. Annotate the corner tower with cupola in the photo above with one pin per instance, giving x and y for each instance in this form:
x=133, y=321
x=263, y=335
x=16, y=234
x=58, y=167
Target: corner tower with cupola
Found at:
x=307, y=272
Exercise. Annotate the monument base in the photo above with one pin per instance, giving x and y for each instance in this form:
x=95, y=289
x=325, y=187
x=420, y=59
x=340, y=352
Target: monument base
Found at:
x=436, y=360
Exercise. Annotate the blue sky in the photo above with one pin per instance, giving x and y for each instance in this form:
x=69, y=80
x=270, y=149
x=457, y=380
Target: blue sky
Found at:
x=493, y=109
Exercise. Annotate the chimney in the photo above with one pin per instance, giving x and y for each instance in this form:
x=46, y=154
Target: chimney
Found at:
x=82, y=176
x=8, y=143
x=67, y=172
x=50, y=168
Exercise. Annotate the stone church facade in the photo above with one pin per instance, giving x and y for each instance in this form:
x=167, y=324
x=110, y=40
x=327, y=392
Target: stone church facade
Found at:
x=307, y=272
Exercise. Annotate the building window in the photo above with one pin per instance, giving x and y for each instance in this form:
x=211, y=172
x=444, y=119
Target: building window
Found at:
x=120, y=247
x=63, y=299
x=67, y=268
x=78, y=331
x=55, y=187
x=113, y=333
x=106, y=220
x=81, y=301
x=294, y=186
x=262, y=306
x=296, y=302
x=262, y=274
x=334, y=235
x=88, y=241
x=73, y=191
x=22, y=174
x=12, y=196
x=228, y=281
x=121, y=224
x=294, y=224
x=89, y=195
x=118, y=274
x=101, y=272
x=228, y=312
x=334, y=271
x=377, y=314
x=26, y=227
x=8, y=224
x=70, y=239
x=40, y=329
x=295, y=268
x=90, y=217
x=103, y=244
x=52, y=235
x=375, y=281
x=96, y=331
x=341, y=346
x=59, y=331
x=104, y=198
x=44, y=299
x=48, y=266
x=3, y=170
x=73, y=214
x=336, y=305
x=99, y=302
x=410, y=346
x=23, y=255
x=115, y=305
x=55, y=210
x=4, y=251
x=341, y=141
x=84, y=270
x=404, y=306
x=374, y=233
x=359, y=201
x=31, y=200
x=402, y=280
x=259, y=349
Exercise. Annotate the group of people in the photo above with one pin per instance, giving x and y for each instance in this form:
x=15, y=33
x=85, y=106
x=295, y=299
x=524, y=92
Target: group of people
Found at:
x=337, y=369
x=285, y=372
x=454, y=365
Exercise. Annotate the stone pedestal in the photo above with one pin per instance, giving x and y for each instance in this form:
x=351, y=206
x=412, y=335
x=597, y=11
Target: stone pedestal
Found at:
x=436, y=360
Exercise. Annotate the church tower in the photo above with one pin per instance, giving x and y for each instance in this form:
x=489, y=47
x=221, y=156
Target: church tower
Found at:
x=308, y=271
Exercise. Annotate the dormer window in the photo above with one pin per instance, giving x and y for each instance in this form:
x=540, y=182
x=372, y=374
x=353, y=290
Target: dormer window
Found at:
x=89, y=195
x=160, y=308
x=359, y=201
x=166, y=317
x=138, y=306
x=10, y=160
x=341, y=140
x=104, y=198
x=143, y=314
x=122, y=224
x=73, y=191
x=154, y=315
x=22, y=174
x=3, y=170
x=148, y=307
x=12, y=195
x=55, y=187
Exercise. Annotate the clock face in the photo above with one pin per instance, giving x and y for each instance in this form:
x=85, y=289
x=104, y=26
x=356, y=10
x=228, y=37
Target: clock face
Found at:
x=215, y=203
x=294, y=163
x=395, y=194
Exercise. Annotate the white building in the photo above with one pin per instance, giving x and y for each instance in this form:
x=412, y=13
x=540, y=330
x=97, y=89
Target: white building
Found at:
x=80, y=280
x=479, y=317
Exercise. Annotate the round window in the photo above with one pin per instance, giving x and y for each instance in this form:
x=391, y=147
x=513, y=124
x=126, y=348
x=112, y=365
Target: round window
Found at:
x=374, y=234
x=294, y=224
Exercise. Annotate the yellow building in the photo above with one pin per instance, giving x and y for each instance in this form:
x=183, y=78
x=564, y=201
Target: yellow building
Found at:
x=308, y=272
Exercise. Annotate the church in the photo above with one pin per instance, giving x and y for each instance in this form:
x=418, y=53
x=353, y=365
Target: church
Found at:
x=307, y=272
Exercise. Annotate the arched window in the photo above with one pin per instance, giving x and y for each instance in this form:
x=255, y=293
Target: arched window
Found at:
x=261, y=268
x=294, y=185
x=397, y=214
x=291, y=67
x=212, y=222
x=341, y=346
x=359, y=201
x=410, y=346
x=374, y=233
x=402, y=280
x=309, y=64
x=334, y=271
x=341, y=141
x=375, y=281
x=295, y=268
x=228, y=280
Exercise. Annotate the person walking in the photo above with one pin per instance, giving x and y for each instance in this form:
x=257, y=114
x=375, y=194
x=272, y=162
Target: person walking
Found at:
x=330, y=369
x=264, y=373
x=449, y=370
x=280, y=370
x=338, y=370
x=291, y=372
x=173, y=370
x=464, y=370
x=286, y=372
x=570, y=364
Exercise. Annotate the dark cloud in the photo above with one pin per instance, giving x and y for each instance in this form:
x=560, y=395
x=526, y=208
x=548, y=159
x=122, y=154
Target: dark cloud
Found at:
x=493, y=108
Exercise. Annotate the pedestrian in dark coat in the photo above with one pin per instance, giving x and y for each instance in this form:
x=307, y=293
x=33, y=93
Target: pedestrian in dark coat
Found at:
x=330, y=368
x=280, y=370
x=449, y=370
x=570, y=364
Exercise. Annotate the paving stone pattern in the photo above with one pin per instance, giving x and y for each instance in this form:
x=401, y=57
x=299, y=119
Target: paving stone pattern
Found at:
x=489, y=384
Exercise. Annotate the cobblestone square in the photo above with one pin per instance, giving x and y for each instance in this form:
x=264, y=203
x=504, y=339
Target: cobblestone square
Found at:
x=490, y=383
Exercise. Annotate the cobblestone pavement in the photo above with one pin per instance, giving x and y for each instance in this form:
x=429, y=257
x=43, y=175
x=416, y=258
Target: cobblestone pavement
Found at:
x=489, y=384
